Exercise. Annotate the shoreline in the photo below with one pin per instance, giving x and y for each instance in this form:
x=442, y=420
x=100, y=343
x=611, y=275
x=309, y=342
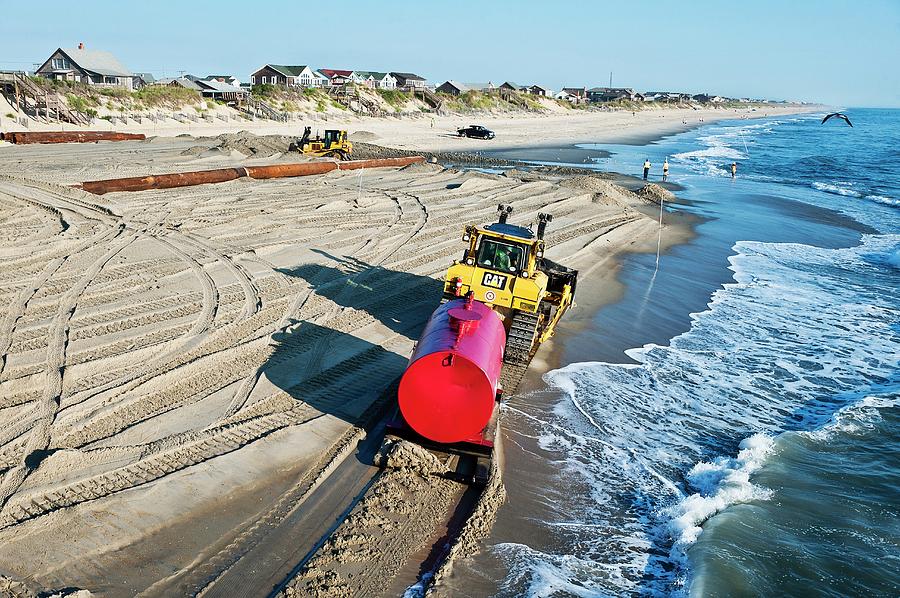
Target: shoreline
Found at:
x=528, y=461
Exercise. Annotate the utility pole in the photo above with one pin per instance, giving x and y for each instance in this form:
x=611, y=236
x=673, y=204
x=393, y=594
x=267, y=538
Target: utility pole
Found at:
x=610, y=79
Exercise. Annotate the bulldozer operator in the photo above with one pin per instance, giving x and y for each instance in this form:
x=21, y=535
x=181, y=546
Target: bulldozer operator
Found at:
x=502, y=259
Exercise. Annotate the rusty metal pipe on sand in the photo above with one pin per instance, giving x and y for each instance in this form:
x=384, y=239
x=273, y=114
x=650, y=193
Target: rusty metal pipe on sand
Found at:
x=221, y=175
x=164, y=181
x=24, y=137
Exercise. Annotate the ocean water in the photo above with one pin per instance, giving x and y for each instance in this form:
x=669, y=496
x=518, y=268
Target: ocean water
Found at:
x=749, y=443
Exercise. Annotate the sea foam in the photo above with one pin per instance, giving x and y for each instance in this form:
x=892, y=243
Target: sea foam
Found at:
x=647, y=453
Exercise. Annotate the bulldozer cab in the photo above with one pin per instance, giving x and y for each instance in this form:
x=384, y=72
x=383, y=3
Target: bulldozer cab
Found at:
x=333, y=137
x=500, y=254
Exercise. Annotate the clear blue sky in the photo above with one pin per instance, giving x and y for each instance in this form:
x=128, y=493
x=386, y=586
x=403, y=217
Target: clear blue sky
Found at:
x=839, y=52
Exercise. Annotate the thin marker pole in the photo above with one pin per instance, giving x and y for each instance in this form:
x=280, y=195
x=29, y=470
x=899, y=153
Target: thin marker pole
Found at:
x=659, y=233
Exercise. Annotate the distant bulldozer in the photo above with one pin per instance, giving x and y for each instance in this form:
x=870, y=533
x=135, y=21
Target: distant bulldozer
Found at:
x=334, y=145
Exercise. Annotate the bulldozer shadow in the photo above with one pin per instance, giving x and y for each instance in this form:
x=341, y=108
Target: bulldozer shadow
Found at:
x=343, y=362
x=334, y=372
x=400, y=301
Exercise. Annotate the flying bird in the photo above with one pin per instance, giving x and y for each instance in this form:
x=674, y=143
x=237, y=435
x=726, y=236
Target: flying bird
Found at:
x=838, y=115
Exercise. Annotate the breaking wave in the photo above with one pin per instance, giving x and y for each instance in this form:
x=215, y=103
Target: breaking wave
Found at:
x=647, y=453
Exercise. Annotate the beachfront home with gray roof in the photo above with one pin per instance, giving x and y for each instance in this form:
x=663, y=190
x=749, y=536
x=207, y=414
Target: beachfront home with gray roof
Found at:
x=187, y=82
x=454, y=88
x=285, y=76
x=613, y=94
x=408, y=81
x=510, y=86
x=93, y=67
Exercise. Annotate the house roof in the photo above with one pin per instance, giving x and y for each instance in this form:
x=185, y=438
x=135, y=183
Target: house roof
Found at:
x=511, y=84
x=407, y=76
x=97, y=61
x=226, y=77
x=331, y=73
x=146, y=77
x=182, y=81
x=627, y=90
x=538, y=87
x=373, y=74
x=456, y=84
x=220, y=86
x=288, y=71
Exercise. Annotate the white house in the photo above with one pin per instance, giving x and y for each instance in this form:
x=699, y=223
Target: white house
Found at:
x=284, y=75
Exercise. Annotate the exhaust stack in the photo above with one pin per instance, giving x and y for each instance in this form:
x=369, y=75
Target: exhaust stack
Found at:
x=543, y=220
x=504, y=211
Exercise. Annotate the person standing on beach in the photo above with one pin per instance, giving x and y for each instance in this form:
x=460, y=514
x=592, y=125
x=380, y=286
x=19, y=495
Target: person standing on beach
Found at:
x=665, y=169
x=733, y=169
x=646, y=168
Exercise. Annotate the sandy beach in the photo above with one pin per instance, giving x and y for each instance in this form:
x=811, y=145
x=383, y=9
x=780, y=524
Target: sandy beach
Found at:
x=191, y=379
x=438, y=133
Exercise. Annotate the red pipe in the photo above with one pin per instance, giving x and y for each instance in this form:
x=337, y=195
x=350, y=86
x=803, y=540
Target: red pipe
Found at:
x=381, y=162
x=277, y=171
x=448, y=391
x=164, y=181
x=69, y=136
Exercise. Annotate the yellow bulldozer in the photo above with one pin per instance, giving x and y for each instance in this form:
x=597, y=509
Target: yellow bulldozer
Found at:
x=334, y=145
x=505, y=268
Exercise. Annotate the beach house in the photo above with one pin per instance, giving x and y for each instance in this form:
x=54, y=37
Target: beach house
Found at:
x=575, y=95
x=229, y=79
x=219, y=90
x=613, y=94
x=510, y=86
x=337, y=77
x=453, y=88
x=539, y=90
x=375, y=80
x=285, y=76
x=408, y=81
x=142, y=80
x=93, y=67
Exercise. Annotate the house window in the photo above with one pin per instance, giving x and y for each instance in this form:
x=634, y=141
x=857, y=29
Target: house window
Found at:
x=58, y=63
x=252, y=79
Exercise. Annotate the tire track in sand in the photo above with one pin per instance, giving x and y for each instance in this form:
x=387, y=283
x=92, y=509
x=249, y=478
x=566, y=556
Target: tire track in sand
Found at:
x=39, y=438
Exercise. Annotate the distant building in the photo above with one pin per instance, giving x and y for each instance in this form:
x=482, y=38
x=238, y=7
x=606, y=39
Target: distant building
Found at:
x=539, y=90
x=576, y=95
x=285, y=76
x=510, y=86
x=482, y=87
x=337, y=77
x=219, y=90
x=375, y=80
x=229, y=79
x=408, y=81
x=186, y=82
x=142, y=80
x=453, y=88
x=613, y=94
x=93, y=67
